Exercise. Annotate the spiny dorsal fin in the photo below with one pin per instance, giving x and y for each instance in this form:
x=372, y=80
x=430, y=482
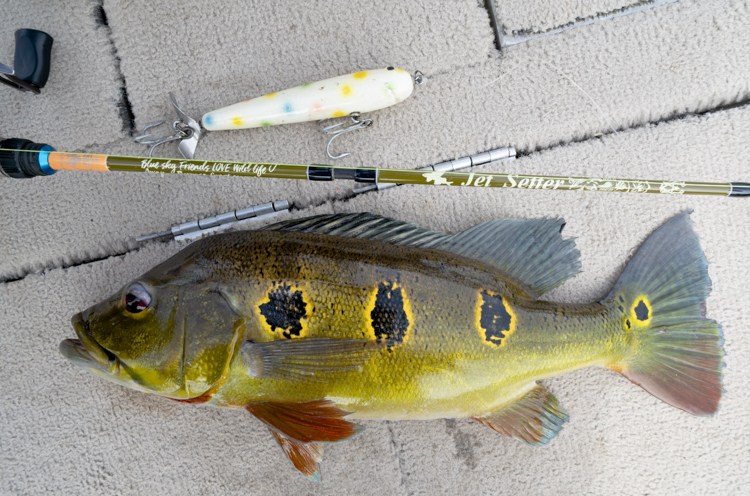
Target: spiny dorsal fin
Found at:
x=534, y=419
x=531, y=251
x=361, y=226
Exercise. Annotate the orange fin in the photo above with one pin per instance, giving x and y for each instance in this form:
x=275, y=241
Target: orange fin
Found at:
x=534, y=419
x=314, y=421
x=304, y=456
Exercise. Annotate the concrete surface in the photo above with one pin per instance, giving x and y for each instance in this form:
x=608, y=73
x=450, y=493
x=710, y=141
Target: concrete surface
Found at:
x=672, y=81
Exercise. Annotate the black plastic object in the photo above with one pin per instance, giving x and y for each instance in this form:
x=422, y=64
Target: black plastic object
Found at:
x=740, y=189
x=320, y=173
x=32, y=59
x=20, y=164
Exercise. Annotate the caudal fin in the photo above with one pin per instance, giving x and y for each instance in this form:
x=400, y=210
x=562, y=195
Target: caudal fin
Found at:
x=675, y=353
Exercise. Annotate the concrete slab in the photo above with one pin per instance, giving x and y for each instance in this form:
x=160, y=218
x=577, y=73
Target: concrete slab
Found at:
x=82, y=103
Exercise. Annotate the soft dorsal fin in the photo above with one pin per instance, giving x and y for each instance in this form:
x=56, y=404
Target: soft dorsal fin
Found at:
x=534, y=419
x=531, y=251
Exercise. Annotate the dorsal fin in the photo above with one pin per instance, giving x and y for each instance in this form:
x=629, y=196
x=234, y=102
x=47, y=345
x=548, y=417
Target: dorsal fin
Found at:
x=531, y=251
x=362, y=226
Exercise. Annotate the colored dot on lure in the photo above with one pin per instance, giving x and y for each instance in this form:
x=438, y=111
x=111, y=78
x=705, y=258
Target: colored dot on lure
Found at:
x=271, y=95
x=236, y=121
x=346, y=90
x=287, y=107
x=360, y=75
x=339, y=113
x=265, y=124
x=208, y=119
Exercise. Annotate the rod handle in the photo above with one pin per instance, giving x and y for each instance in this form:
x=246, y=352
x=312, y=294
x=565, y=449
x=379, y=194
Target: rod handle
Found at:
x=21, y=164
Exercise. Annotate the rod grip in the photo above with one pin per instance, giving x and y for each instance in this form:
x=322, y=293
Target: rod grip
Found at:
x=21, y=164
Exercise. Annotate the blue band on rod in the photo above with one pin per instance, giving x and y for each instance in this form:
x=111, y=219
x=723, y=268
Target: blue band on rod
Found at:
x=44, y=160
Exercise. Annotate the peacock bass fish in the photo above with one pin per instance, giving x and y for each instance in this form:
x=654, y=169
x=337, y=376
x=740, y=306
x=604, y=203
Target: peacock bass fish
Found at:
x=309, y=324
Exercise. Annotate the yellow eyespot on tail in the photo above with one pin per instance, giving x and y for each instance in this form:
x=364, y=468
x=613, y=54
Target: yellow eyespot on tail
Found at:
x=360, y=75
x=495, y=319
x=284, y=311
x=237, y=121
x=388, y=313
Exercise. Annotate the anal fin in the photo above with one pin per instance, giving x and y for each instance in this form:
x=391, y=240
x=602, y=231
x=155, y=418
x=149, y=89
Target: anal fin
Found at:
x=305, y=457
x=534, y=419
x=313, y=421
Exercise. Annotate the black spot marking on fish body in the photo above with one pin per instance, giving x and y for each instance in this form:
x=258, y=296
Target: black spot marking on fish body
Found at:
x=622, y=310
x=284, y=310
x=641, y=311
x=627, y=323
x=388, y=317
x=495, y=318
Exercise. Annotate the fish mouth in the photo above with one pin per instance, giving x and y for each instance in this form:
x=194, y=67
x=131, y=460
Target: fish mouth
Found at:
x=85, y=351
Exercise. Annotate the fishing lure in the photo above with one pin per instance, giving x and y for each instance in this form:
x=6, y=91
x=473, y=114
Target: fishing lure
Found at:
x=340, y=97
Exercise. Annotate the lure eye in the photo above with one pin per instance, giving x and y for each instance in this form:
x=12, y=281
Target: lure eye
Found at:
x=137, y=298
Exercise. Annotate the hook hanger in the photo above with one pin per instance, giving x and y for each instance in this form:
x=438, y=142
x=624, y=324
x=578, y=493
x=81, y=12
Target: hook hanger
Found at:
x=335, y=130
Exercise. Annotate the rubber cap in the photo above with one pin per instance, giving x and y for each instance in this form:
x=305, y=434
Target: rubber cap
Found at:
x=20, y=164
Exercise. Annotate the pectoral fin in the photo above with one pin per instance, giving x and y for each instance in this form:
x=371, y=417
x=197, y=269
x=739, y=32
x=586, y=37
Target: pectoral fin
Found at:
x=534, y=419
x=304, y=456
x=307, y=359
x=313, y=421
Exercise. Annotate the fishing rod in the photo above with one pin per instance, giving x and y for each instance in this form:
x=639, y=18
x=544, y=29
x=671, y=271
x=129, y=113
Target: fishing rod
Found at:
x=22, y=158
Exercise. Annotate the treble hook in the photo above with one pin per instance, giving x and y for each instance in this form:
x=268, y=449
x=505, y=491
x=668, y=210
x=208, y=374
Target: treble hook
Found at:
x=181, y=132
x=357, y=123
x=186, y=130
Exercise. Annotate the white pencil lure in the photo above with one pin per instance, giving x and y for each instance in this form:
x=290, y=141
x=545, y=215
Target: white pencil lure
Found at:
x=344, y=96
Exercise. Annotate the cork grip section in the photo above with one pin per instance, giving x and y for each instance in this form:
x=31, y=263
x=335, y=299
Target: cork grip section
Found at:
x=78, y=161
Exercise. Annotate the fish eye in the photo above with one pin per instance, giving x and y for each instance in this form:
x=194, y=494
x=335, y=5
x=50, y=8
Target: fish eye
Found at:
x=137, y=299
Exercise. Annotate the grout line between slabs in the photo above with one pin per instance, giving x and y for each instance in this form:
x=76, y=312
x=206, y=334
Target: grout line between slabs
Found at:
x=125, y=110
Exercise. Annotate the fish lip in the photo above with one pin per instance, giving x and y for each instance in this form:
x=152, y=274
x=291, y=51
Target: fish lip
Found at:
x=86, y=350
x=76, y=352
